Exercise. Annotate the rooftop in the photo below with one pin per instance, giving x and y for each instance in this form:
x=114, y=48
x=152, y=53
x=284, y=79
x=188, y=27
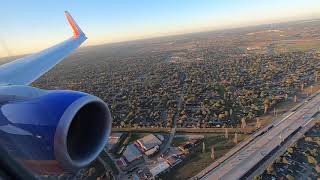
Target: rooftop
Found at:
x=132, y=153
x=149, y=141
x=159, y=167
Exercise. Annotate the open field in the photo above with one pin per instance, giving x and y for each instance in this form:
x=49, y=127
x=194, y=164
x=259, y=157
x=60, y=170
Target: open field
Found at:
x=299, y=45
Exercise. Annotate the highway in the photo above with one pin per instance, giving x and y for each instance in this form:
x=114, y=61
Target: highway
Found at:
x=245, y=158
x=282, y=149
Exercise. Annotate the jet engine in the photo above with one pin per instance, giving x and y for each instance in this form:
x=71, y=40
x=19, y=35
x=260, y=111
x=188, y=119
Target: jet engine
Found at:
x=69, y=127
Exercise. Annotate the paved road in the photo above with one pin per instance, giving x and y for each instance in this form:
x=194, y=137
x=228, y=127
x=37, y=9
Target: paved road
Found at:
x=252, y=152
x=283, y=149
x=175, y=118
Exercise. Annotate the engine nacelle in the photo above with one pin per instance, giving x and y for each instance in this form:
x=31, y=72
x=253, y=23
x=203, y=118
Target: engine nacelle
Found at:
x=68, y=126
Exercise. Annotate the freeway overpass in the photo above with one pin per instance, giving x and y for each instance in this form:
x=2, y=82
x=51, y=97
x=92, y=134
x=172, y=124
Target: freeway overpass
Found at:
x=245, y=158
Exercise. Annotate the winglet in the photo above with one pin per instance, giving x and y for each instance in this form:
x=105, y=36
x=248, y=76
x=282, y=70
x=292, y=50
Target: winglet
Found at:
x=76, y=29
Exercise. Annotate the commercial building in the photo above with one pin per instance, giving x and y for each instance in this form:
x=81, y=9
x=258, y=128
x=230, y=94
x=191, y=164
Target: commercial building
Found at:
x=132, y=153
x=173, y=160
x=152, y=151
x=150, y=141
x=113, y=139
x=159, y=168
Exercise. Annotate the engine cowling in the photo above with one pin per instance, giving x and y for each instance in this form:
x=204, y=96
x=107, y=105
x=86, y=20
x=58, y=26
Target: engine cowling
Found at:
x=68, y=126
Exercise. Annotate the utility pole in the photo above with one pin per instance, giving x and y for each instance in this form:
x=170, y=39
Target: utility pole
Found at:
x=258, y=123
x=203, y=147
x=275, y=112
x=212, y=152
x=280, y=136
x=226, y=135
x=235, y=138
x=243, y=123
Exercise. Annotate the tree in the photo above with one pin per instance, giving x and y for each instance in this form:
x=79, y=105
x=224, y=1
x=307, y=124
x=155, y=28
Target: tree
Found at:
x=285, y=161
x=278, y=160
x=270, y=169
x=289, y=177
x=182, y=112
x=257, y=178
x=311, y=160
x=313, y=152
x=308, y=139
x=290, y=150
x=317, y=168
x=221, y=116
x=266, y=104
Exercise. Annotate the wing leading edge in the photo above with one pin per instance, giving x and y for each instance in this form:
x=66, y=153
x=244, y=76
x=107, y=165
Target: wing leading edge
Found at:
x=25, y=70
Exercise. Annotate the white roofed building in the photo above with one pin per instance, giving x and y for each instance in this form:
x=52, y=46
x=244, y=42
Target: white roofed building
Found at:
x=158, y=168
x=148, y=142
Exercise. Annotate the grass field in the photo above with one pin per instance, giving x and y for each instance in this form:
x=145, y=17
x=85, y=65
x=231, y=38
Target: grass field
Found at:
x=298, y=45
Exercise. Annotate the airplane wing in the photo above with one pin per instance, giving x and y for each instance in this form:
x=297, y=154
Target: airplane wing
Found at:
x=25, y=70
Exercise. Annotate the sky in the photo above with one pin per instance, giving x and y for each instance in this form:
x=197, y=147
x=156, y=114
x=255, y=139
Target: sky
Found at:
x=32, y=25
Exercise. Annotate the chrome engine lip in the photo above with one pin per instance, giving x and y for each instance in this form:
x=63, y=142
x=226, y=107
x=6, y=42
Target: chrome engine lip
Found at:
x=60, y=137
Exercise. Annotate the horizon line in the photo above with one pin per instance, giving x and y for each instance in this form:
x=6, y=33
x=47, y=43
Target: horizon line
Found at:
x=202, y=31
x=174, y=35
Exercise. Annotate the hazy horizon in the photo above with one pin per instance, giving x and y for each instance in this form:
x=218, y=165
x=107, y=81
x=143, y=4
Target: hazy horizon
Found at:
x=149, y=20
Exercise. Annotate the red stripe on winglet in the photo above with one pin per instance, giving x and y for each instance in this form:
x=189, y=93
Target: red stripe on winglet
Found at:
x=74, y=26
